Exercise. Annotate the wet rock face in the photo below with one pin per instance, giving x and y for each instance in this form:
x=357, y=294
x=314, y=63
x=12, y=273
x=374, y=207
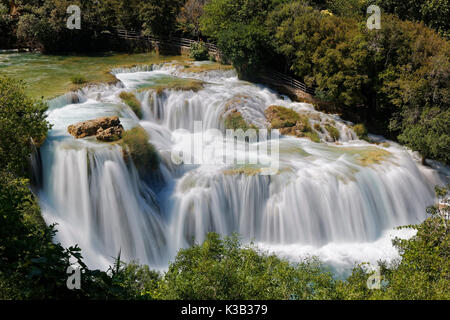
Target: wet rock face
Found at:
x=105, y=129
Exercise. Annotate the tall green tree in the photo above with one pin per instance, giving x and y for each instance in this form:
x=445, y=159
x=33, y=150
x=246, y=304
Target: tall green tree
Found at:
x=239, y=29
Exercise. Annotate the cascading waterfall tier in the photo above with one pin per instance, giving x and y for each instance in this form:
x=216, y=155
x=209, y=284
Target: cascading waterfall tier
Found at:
x=346, y=195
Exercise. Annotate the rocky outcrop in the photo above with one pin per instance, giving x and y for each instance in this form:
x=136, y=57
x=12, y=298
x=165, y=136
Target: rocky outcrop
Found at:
x=110, y=134
x=105, y=129
x=289, y=122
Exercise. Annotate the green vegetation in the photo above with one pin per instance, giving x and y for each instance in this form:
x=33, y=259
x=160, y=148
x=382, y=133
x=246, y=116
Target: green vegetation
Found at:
x=41, y=24
x=78, y=79
x=22, y=120
x=360, y=130
x=318, y=127
x=224, y=269
x=235, y=121
x=199, y=51
x=31, y=265
x=333, y=132
x=282, y=117
x=130, y=99
x=237, y=28
x=434, y=13
x=188, y=20
x=394, y=80
x=368, y=155
x=136, y=146
x=173, y=83
x=290, y=122
x=50, y=75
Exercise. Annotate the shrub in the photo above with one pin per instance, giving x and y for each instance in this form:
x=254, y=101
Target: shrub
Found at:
x=235, y=121
x=138, y=148
x=226, y=269
x=360, y=130
x=281, y=117
x=333, y=132
x=199, y=51
x=21, y=120
x=318, y=127
x=78, y=79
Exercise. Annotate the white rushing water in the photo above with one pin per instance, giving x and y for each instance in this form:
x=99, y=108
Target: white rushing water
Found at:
x=324, y=200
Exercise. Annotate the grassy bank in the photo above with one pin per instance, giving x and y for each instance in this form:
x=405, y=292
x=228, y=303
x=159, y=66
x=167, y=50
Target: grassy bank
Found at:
x=52, y=75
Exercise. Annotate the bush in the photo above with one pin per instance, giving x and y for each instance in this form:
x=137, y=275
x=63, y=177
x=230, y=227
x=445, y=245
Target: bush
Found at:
x=199, y=51
x=281, y=117
x=333, y=132
x=22, y=120
x=138, y=148
x=226, y=269
x=78, y=79
x=360, y=130
x=235, y=121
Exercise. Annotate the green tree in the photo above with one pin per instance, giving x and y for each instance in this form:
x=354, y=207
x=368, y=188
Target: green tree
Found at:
x=158, y=17
x=188, y=19
x=22, y=122
x=239, y=29
x=226, y=269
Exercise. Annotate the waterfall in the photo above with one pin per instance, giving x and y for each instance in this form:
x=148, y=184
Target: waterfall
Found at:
x=325, y=195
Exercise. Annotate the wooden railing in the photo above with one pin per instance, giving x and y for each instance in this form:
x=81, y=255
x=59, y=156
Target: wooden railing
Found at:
x=281, y=77
x=182, y=42
x=212, y=48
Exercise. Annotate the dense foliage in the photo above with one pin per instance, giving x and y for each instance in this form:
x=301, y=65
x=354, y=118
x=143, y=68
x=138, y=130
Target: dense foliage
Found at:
x=43, y=24
x=30, y=264
x=395, y=79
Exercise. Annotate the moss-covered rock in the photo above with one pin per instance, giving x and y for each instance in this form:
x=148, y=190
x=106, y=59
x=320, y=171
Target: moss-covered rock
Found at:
x=234, y=120
x=130, y=99
x=290, y=122
x=368, y=156
x=136, y=147
x=281, y=117
x=174, y=83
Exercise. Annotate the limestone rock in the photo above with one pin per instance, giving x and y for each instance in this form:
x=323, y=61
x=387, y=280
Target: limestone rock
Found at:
x=110, y=134
x=91, y=127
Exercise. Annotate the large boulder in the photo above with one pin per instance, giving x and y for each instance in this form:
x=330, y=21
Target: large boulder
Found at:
x=106, y=128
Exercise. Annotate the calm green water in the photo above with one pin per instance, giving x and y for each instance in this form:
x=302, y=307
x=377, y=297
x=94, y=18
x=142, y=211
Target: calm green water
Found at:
x=50, y=75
